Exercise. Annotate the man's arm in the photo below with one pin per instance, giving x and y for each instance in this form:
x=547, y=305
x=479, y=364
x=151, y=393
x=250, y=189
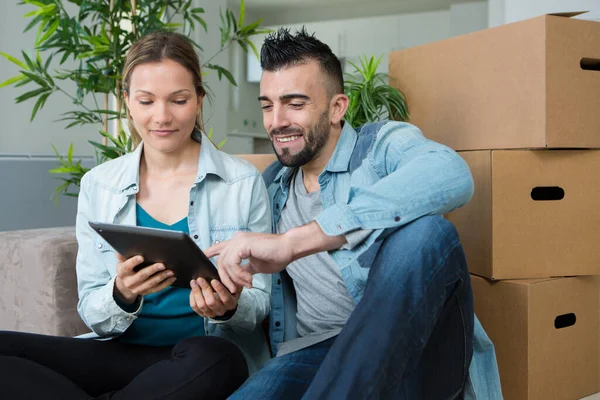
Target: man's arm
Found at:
x=269, y=253
x=415, y=177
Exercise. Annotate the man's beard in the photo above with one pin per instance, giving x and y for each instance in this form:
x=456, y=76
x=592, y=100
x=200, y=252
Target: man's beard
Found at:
x=315, y=139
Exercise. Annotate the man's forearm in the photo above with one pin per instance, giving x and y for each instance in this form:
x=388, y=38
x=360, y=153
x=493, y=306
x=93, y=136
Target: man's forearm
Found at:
x=310, y=239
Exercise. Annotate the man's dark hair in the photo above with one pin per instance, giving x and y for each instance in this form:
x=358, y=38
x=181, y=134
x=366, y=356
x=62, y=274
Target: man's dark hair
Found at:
x=281, y=49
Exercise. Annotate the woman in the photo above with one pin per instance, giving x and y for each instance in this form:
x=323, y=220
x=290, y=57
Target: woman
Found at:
x=165, y=342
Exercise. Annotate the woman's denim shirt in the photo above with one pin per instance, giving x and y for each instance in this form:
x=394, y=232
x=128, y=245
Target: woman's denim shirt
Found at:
x=228, y=195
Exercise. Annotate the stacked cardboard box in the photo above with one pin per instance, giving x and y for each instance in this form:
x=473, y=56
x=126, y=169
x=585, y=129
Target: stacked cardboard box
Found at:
x=521, y=104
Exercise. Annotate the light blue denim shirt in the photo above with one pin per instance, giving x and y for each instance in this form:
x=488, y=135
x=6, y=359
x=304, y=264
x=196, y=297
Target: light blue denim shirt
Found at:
x=383, y=177
x=228, y=195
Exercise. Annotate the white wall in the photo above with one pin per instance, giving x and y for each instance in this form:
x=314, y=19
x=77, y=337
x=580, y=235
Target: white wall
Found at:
x=351, y=38
x=215, y=113
x=18, y=136
x=506, y=11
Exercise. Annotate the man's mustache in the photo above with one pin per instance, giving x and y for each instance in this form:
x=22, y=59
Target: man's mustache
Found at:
x=286, y=131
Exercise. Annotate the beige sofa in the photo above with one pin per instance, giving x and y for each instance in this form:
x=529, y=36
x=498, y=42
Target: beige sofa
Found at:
x=38, y=285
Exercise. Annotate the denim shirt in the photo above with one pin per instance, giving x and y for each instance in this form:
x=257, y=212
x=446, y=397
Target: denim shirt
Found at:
x=380, y=178
x=228, y=195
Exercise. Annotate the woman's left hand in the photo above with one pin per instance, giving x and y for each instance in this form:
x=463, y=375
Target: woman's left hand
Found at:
x=212, y=300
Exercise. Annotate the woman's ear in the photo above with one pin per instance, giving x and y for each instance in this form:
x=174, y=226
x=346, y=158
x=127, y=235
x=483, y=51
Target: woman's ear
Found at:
x=126, y=100
x=199, y=107
x=338, y=107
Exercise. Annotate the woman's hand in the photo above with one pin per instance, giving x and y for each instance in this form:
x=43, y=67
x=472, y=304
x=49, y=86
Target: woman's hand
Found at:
x=212, y=300
x=131, y=284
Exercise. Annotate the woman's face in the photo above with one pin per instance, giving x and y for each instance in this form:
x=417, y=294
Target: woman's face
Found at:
x=163, y=104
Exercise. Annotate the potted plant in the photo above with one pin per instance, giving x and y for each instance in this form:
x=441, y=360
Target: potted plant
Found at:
x=371, y=97
x=94, y=40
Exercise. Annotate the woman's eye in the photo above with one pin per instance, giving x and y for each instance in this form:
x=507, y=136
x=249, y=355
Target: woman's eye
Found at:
x=144, y=102
x=180, y=102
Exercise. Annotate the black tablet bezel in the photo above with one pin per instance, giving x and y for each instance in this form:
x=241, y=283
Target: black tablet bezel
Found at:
x=175, y=249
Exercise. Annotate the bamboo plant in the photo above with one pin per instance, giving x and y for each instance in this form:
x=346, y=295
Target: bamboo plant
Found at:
x=88, y=47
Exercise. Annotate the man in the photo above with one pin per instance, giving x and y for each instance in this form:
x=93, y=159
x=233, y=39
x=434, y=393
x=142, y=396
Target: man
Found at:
x=371, y=294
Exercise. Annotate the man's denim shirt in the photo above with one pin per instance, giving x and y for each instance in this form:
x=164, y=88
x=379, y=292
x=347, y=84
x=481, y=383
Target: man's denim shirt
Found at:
x=382, y=177
x=228, y=195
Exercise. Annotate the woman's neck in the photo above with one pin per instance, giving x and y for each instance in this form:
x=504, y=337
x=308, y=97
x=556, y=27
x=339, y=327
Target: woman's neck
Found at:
x=160, y=164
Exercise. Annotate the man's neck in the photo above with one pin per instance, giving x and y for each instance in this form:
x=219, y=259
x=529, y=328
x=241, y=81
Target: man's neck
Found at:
x=312, y=169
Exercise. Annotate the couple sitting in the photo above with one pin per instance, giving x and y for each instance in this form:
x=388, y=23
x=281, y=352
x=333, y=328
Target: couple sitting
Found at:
x=340, y=241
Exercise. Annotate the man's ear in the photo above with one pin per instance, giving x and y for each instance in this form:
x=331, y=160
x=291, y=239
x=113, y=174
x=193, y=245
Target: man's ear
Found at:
x=338, y=107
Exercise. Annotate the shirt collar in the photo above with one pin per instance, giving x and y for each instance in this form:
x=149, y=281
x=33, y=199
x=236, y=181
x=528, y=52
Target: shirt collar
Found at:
x=209, y=162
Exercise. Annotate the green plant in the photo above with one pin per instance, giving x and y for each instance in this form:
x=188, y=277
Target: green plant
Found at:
x=90, y=46
x=371, y=97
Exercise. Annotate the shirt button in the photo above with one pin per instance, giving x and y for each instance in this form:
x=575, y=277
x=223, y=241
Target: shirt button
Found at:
x=129, y=317
x=397, y=219
x=99, y=245
x=195, y=236
x=191, y=203
x=279, y=281
x=217, y=241
x=339, y=227
x=277, y=206
x=277, y=323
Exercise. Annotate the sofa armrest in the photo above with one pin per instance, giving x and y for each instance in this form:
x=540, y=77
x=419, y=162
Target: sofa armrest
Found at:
x=38, y=282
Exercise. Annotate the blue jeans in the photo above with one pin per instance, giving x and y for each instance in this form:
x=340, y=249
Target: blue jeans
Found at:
x=410, y=337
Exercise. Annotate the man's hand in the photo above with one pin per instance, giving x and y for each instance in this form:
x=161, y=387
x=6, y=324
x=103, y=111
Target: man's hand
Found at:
x=268, y=253
x=212, y=300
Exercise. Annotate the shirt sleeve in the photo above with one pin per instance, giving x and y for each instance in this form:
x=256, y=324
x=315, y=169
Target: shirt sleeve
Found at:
x=415, y=177
x=97, y=305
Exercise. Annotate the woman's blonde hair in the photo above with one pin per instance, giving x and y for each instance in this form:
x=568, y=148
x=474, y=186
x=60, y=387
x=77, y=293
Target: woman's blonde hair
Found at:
x=155, y=47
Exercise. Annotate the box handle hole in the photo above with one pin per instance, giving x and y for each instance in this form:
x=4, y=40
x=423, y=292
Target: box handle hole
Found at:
x=565, y=320
x=547, y=193
x=590, y=64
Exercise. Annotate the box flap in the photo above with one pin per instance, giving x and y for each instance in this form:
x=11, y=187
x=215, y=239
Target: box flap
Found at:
x=569, y=14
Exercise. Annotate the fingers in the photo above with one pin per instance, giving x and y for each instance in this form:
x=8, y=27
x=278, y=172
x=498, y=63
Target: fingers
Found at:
x=154, y=280
x=126, y=267
x=215, y=249
x=198, y=301
x=229, y=300
x=210, y=303
x=227, y=281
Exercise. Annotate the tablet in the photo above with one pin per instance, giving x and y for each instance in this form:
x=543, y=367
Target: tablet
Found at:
x=175, y=249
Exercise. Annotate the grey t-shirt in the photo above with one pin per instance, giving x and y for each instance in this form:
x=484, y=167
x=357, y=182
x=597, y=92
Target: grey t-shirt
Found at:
x=324, y=304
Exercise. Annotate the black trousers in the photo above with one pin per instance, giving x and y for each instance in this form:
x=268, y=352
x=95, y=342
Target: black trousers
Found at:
x=49, y=367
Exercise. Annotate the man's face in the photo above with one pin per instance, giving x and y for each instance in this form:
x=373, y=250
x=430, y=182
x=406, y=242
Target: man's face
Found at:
x=295, y=106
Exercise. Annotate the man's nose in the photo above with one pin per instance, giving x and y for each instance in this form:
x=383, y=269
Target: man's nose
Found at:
x=280, y=118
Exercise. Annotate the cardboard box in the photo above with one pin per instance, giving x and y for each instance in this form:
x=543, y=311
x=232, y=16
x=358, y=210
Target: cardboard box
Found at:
x=519, y=85
x=545, y=333
x=534, y=213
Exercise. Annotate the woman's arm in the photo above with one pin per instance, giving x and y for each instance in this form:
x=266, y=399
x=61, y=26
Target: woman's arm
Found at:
x=97, y=306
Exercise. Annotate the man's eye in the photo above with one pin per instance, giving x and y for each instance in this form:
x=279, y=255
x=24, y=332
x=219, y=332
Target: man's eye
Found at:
x=266, y=107
x=296, y=105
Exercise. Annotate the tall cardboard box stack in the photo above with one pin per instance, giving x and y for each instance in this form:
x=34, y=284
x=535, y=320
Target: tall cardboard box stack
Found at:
x=521, y=104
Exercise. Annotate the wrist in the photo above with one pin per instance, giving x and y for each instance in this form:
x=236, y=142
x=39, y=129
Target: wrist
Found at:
x=124, y=295
x=310, y=239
